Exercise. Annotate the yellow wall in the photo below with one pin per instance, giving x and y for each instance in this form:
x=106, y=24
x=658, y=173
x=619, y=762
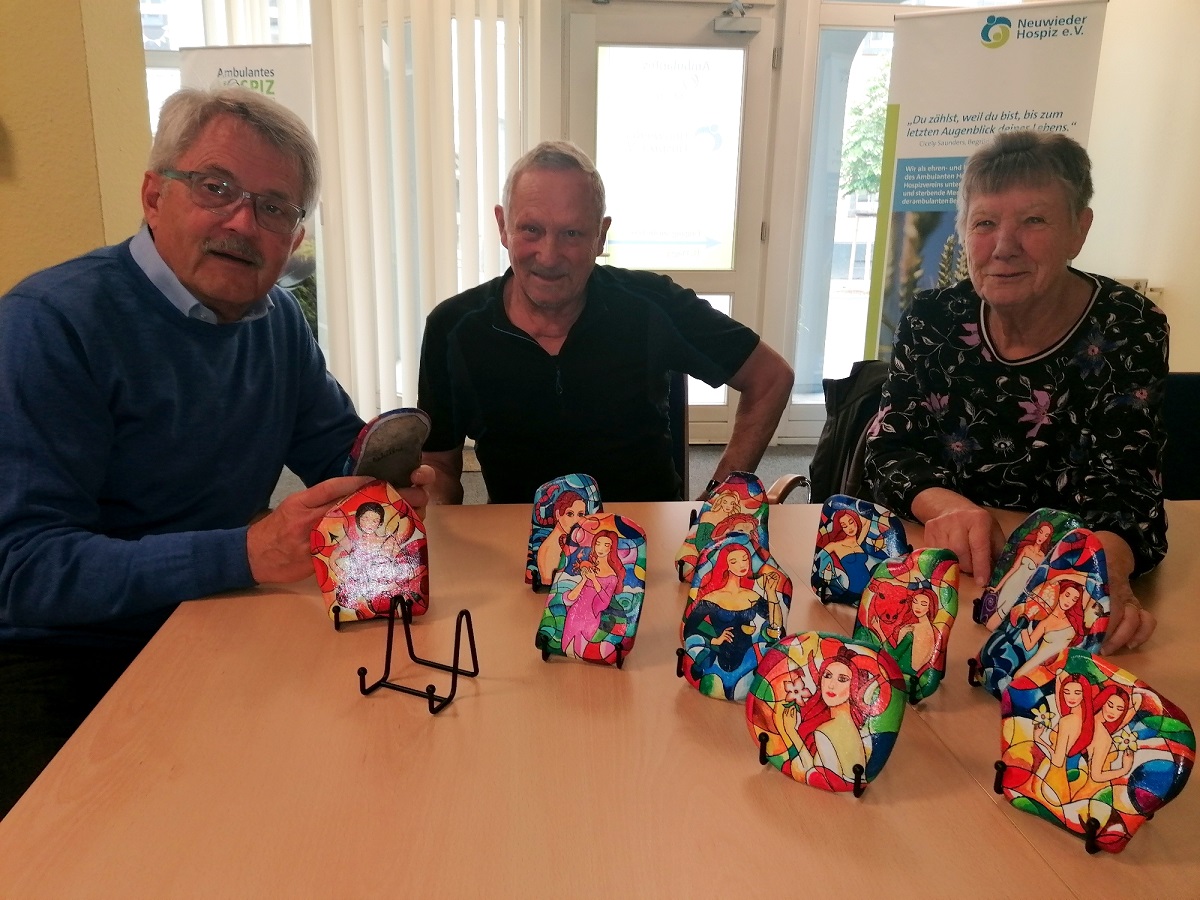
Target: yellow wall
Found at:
x=74, y=129
x=1145, y=146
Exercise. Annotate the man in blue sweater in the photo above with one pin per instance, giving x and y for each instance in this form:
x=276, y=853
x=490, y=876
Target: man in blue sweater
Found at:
x=150, y=395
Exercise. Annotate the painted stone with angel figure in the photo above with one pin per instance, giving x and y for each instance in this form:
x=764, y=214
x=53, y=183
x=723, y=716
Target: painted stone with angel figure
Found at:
x=826, y=709
x=369, y=549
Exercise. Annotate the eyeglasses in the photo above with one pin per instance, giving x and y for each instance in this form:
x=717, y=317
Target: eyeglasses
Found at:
x=216, y=193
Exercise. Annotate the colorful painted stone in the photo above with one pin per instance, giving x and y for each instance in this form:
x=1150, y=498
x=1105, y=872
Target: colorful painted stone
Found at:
x=908, y=609
x=826, y=709
x=854, y=536
x=558, y=506
x=596, y=598
x=1086, y=745
x=737, y=605
x=369, y=549
x=1066, y=605
x=738, y=505
x=1025, y=550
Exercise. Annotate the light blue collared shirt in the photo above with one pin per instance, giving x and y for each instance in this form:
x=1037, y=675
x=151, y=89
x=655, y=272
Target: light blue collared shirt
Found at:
x=145, y=254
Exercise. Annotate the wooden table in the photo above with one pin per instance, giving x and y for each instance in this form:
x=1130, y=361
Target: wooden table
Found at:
x=236, y=757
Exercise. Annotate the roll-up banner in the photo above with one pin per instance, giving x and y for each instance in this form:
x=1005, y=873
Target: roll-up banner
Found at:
x=282, y=72
x=959, y=77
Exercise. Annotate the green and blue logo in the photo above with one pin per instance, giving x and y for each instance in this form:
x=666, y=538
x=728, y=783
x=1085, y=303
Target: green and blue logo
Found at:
x=995, y=32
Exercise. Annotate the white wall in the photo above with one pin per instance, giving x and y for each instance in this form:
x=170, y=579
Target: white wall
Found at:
x=1145, y=148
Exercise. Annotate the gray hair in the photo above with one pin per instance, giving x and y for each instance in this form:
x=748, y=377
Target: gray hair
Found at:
x=1027, y=159
x=558, y=156
x=186, y=112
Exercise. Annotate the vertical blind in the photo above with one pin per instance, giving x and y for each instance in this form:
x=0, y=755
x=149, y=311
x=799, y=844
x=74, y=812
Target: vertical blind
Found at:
x=419, y=113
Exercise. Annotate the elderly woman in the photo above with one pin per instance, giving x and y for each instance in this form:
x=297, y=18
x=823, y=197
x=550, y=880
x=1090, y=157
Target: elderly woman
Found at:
x=1031, y=384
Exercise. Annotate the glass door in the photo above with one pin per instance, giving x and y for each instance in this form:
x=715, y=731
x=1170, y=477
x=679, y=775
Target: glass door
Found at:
x=675, y=113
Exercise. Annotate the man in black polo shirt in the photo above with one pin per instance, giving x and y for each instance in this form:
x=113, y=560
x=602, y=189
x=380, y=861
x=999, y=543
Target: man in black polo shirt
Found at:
x=559, y=366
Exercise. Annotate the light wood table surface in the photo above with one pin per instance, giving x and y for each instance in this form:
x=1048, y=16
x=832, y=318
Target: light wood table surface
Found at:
x=237, y=758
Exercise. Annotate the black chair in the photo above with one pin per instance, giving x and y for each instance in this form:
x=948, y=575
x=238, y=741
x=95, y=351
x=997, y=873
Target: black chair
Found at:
x=850, y=405
x=677, y=415
x=1181, y=404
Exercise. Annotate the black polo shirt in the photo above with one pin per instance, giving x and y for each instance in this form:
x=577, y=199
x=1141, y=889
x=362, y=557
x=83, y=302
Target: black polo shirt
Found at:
x=599, y=407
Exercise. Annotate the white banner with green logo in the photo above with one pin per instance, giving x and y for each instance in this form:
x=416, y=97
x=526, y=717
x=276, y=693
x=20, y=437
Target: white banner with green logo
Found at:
x=282, y=72
x=959, y=77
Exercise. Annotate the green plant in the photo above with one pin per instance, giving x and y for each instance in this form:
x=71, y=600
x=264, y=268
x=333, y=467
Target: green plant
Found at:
x=306, y=295
x=862, y=150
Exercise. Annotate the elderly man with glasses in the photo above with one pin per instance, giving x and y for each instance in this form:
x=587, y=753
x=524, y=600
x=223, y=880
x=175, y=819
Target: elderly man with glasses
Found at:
x=150, y=394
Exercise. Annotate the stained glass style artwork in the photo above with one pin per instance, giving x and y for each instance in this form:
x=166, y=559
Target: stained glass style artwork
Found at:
x=596, y=598
x=737, y=605
x=1024, y=551
x=739, y=505
x=1066, y=605
x=558, y=506
x=908, y=609
x=1086, y=745
x=367, y=550
x=854, y=536
x=826, y=709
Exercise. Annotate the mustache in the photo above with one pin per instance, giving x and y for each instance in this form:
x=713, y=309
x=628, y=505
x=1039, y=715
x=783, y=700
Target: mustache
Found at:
x=234, y=245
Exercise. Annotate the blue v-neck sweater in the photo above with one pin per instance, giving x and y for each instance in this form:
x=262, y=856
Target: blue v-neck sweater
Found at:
x=136, y=444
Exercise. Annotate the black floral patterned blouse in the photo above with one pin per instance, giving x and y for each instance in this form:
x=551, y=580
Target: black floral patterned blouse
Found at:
x=1077, y=427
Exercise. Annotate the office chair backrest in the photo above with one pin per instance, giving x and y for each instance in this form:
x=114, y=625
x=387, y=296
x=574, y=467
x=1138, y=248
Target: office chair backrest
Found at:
x=850, y=405
x=1180, y=473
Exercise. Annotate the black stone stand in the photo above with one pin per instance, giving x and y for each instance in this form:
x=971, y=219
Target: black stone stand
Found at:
x=543, y=645
x=860, y=783
x=436, y=703
x=1091, y=828
x=974, y=672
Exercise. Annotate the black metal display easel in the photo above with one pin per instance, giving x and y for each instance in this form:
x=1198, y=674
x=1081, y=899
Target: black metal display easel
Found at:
x=436, y=703
x=860, y=783
x=1091, y=828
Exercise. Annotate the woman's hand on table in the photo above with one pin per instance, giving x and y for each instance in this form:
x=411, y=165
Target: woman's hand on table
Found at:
x=955, y=523
x=1129, y=624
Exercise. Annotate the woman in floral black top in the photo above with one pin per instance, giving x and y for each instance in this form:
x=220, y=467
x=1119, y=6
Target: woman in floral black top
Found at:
x=1031, y=384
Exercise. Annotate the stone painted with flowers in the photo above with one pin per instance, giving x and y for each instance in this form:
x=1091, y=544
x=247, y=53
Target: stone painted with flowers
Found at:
x=826, y=710
x=1089, y=747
